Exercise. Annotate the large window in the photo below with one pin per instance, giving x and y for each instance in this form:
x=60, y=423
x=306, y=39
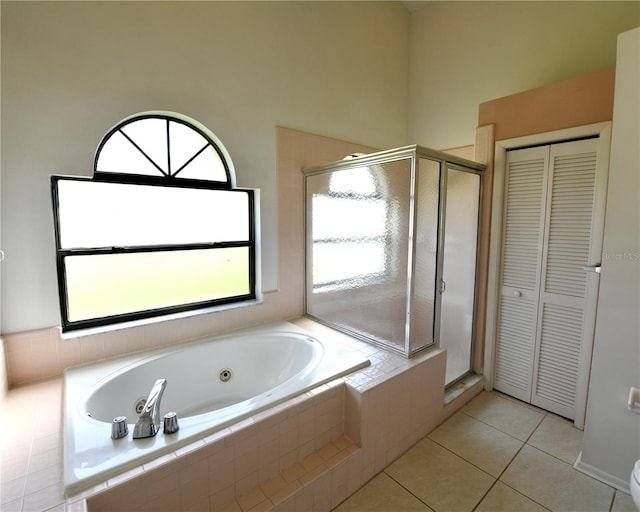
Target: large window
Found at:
x=159, y=229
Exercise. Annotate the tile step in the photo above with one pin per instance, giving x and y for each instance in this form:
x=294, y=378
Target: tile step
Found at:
x=293, y=479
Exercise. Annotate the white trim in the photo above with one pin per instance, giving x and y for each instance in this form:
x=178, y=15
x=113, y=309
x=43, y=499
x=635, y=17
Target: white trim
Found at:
x=103, y=329
x=602, y=476
x=602, y=130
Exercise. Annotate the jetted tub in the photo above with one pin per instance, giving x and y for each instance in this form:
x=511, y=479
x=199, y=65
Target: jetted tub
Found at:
x=211, y=383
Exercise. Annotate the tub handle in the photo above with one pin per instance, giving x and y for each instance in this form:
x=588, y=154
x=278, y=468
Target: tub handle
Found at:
x=149, y=421
x=170, y=425
x=119, y=428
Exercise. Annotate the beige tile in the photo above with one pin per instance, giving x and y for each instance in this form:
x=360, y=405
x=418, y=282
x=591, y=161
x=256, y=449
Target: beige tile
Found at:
x=43, y=499
x=310, y=476
x=440, y=478
x=382, y=494
x=193, y=493
x=502, y=498
x=167, y=502
x=251, y=499
x=45, y=459
x=49, y=477
x=286, y=492
x=12, y=506
x=555, y=484
x=478, y=443
x=275, y=484
x=69, y=353
x=622, y=502
x=15, y=464
x=511, y=417
x=292, y=473
x=558, y=437
x=12, y=490
x=328, y=451
x=47, y=442
x=219, y=499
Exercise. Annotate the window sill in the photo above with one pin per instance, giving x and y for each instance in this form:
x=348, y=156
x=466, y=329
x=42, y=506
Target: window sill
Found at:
x=80, y=333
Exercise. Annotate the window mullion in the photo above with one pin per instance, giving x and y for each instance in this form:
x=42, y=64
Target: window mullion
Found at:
x=143, y=153
x=154, y=248
x=196, y=154
x=168, y=150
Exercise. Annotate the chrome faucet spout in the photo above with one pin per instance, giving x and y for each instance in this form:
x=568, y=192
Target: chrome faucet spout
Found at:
x=149, y=421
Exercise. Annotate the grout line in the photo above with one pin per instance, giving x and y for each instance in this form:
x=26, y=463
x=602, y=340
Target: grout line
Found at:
x=613, y=500
x=496, y=479
x=524, y=443
x=408, y=490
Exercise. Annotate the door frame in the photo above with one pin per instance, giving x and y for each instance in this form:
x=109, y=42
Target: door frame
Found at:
x=601, y=130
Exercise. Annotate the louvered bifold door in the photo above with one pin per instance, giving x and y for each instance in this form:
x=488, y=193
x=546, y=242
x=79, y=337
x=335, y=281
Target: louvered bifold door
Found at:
x=523, y=231
x=567, y=244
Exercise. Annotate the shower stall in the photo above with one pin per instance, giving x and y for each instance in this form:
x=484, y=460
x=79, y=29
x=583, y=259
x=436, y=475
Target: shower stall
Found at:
x=391, y=250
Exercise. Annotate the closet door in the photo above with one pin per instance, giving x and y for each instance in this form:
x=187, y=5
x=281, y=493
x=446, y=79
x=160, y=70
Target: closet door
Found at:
x=523, y=230
x=564, y=282
x=547, y=304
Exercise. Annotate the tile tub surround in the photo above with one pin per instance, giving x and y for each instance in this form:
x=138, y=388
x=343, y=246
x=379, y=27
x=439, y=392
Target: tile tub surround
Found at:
x=377, y=419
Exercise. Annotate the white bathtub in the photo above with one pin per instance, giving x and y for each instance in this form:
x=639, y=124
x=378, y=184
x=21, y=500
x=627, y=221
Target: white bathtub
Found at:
x=268, y=365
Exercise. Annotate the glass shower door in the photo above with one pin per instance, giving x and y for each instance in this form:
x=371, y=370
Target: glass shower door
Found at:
x=423, y=306
x=459, y=271
x=391, y=243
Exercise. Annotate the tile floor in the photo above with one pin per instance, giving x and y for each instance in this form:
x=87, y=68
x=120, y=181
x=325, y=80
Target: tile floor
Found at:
x=496, y=454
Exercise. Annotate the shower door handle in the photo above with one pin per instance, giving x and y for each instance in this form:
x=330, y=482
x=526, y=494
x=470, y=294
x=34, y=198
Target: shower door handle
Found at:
x=443, y=286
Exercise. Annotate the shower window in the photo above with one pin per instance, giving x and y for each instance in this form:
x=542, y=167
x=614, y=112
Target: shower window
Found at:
x=349, y=230
x=383, y=234
x=160, y=228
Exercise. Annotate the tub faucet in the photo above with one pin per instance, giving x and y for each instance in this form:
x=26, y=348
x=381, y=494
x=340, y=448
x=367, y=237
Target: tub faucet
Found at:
x=149, y=421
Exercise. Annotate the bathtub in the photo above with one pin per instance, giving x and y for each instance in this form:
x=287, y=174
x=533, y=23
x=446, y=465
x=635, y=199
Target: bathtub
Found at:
x=211, y=384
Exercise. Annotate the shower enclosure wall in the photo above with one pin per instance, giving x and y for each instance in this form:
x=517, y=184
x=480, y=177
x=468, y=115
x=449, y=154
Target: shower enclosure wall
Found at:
x=391, y=245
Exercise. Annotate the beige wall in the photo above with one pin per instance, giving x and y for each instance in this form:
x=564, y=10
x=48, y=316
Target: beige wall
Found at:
x=71, y=70
x=577, y=101
x=466, y=53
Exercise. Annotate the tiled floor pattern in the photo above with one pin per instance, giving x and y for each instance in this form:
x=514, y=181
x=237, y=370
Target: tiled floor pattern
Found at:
x=494, y=455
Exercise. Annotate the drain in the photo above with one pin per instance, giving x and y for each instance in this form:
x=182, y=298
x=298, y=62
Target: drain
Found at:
x=138, y=406
x=225, y=375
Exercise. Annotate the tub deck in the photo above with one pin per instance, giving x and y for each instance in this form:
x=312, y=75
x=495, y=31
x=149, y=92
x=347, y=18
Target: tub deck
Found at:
x=380, y=420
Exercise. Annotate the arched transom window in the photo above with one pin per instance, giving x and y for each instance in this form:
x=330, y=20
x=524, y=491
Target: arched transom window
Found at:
x=159, y=229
